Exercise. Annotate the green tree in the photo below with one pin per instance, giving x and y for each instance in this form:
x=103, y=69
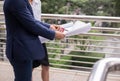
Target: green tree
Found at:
x=88, y=7
x=53, y=6
x=117, y=7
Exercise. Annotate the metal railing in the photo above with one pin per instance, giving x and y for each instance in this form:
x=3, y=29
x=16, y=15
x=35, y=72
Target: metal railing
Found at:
x=103, y=67
x=82, y=51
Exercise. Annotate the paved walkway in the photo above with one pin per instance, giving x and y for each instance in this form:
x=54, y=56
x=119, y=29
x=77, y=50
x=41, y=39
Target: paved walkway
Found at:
x=6, y=74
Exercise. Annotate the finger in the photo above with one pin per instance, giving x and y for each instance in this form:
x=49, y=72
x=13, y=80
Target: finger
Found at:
x=57, y=27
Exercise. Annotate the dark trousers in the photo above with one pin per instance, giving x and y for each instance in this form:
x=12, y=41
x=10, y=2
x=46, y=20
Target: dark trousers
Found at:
x=22, y=70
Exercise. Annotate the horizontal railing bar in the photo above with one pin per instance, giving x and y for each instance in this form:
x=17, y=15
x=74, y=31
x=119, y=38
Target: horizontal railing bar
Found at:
x=71, y=66
x=2, y=43
x=2, y=38
x=106, y=28
x=81, y=17
x=82, y=50
x=2, y=47
x=93, y=40
x=115, y=40
x=97, y=46
x=92, y=28
x=2, y=23
x=103, y=67
x=1, y=13
x=1, y=53
x=57, y=59
x=88, y=40
x=75, y=55
x=93, y=34
x=100, y=34
x=2, y=33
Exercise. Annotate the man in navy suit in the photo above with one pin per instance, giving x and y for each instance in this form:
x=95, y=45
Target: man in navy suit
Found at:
x=23, y=45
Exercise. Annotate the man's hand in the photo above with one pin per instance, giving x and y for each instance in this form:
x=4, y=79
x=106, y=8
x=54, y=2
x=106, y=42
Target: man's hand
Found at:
x=59, y=35
x=58, y=31
x=57, y=28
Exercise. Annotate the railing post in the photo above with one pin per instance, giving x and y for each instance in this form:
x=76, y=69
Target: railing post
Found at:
x=102, y=67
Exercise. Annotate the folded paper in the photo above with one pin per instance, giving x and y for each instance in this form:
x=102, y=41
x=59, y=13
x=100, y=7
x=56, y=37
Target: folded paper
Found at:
x=72, y=28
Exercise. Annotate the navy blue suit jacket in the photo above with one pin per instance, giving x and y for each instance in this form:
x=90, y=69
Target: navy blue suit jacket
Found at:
x=23, y=30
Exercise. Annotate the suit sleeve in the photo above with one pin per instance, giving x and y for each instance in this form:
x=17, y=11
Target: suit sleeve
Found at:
x=21, y=12
x=45, y=24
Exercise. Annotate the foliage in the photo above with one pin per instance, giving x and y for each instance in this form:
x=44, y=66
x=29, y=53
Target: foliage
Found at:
x=117, y=7
x=53, y=6
x=83, y=59
x=88, y=7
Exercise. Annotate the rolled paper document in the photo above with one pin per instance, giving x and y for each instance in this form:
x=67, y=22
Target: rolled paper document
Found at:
x=78, y=28
x=70, y=29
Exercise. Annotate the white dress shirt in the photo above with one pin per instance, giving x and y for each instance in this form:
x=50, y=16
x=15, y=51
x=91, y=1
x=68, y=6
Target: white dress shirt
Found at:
x=36, y=7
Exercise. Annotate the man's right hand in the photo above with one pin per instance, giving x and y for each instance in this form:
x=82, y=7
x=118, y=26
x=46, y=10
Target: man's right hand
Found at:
x=59, y=35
